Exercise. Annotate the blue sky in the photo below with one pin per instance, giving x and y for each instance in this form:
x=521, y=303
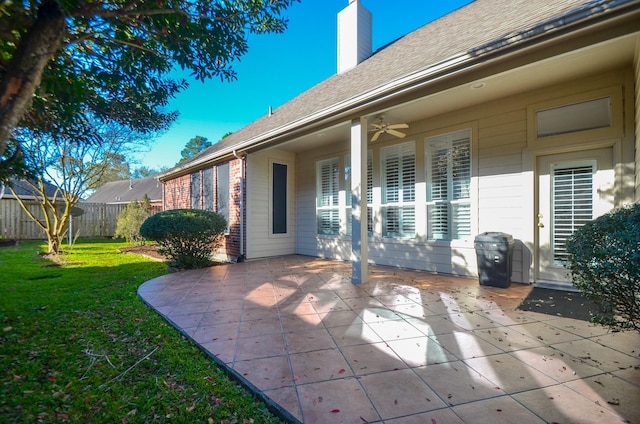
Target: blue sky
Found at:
x=278, y=67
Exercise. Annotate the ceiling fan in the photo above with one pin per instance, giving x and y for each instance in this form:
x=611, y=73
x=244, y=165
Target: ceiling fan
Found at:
x=385, y=127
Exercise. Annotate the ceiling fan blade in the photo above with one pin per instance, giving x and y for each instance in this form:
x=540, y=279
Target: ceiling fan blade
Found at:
x=397, y=126
x=376, y=135
x=396, y=133
x=376, y=127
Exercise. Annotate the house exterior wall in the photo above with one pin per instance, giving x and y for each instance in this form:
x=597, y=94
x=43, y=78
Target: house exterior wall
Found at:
x=178, y=194
x=261, y=242
x=504, y=154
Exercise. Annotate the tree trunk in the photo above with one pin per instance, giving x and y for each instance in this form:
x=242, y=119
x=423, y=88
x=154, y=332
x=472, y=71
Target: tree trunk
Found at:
x=25, y=69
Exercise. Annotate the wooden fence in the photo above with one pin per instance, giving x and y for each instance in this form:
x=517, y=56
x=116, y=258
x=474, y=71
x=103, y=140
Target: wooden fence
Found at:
x=97, y=220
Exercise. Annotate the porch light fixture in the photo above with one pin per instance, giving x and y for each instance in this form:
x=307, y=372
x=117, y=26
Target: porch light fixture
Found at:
x=477, y=85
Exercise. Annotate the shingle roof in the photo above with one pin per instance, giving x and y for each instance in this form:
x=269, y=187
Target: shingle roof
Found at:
x=480, y=26
x=22, y=189
x=126, y=191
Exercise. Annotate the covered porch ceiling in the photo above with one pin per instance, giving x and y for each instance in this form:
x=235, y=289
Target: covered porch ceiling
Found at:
x=580, y=63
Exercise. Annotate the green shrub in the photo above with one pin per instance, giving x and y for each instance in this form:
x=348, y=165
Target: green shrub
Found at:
x=604, y=260
x=187, y=236
x=130, y=220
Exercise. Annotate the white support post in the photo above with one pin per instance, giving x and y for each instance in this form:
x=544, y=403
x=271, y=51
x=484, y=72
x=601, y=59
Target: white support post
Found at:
x=359, y=235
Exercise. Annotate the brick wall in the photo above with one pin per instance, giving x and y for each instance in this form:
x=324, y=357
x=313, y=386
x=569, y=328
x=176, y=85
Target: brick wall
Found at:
x=232, y=245
x=177, y=195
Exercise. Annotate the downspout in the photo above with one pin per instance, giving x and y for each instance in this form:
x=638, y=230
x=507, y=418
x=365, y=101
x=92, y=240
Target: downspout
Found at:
x=242, y=159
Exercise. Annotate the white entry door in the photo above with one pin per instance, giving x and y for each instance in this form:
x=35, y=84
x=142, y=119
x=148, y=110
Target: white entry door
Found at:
x=573, y=189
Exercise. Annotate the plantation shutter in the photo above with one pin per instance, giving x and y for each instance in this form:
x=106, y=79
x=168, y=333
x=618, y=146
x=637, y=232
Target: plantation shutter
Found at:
x=398, y=194
x=369, y=192
x=449, y=186
x=327, y=197
x=572, y=205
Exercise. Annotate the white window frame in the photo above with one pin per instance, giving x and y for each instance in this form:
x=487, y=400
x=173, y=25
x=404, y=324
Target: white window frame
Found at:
x=328, y=196
x=368, y=194
x=404, y=201
x=456, y=194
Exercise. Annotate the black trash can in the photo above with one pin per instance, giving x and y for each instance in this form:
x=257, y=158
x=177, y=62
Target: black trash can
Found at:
x=494, y=252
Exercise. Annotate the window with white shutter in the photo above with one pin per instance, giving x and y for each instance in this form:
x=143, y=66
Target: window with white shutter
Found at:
x=369, y=199
x=327, y=200
x=398, y=190
x=572, y=205
x=448, y=164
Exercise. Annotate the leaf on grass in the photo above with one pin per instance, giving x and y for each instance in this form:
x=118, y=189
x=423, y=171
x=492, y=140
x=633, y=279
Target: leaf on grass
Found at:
x=5, y=329
x=210, y=379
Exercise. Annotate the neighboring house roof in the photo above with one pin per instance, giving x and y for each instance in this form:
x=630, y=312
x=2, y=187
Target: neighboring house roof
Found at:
x=453, y=43
x=23, y=190
x=126, y=191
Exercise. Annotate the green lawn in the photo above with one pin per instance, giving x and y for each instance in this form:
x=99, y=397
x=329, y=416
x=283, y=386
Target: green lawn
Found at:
x=78, y=345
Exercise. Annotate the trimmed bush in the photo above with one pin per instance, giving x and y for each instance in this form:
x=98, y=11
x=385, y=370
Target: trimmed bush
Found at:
x=187, y=236
x=604, y=260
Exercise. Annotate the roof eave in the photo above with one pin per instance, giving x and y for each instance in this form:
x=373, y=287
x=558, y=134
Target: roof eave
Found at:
x=554, y=30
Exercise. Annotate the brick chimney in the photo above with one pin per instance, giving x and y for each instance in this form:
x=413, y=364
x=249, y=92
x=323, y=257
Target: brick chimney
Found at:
x=354, y=35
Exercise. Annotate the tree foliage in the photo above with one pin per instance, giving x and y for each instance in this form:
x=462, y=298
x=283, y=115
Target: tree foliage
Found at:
x=604, y=260
x=193, y=147
x=130, y=220
x=188, y=236
x=61, y=61
x=72, y=167
x=145, y=171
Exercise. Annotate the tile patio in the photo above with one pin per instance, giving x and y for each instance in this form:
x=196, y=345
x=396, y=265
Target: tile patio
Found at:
x=406, y=347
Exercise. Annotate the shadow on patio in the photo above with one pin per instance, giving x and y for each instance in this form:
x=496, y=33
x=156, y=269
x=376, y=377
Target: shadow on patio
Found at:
x=406, y=347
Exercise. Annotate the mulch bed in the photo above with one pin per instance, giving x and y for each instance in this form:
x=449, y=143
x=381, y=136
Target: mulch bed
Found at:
x=148, y=250
x=559, y=303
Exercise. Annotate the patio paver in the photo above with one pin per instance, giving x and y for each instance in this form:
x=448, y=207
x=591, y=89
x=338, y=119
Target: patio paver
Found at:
x=405, y=347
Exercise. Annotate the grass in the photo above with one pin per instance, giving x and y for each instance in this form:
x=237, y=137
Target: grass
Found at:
x=78, y=345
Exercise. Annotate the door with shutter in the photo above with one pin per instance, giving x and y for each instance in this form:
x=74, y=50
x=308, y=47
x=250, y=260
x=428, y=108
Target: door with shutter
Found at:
x=573, y=188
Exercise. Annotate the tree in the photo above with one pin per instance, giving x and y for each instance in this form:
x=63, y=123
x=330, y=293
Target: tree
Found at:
x=145, y=171
x=116, y=169
x=130, y=220
x=72, y=167
x=60, y=60
x=193, y=147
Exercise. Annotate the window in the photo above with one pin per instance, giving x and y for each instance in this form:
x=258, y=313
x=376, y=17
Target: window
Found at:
x=222, y=191
x=398, y=190
x=207, y=189
x=448, y=164
x=279, y=199
x=327, y=206
x=195, y=190
x=572, y=205
x=581, y=116
x=369, y=198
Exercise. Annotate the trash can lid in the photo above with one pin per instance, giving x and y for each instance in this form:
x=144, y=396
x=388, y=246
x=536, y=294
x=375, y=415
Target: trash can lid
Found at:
x=494, y=236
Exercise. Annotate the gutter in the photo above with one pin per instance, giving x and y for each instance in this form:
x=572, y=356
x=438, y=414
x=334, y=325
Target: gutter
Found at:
x=600, y=12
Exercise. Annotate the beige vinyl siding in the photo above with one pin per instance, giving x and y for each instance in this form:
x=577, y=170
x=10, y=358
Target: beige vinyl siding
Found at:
x=502, y=183
x=308, y=240
x=260, y=240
